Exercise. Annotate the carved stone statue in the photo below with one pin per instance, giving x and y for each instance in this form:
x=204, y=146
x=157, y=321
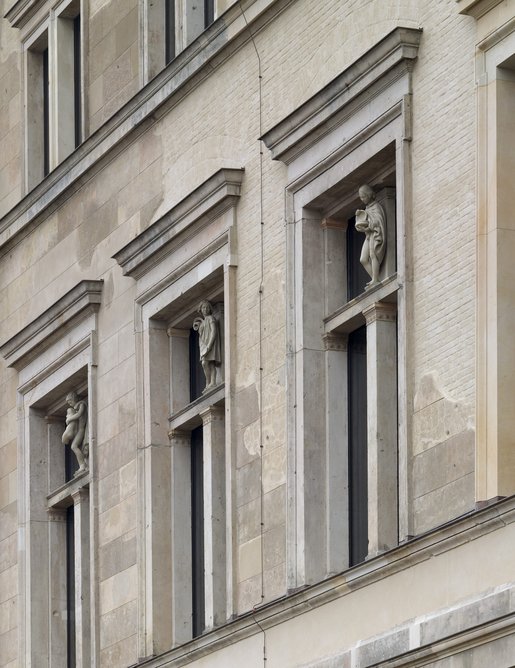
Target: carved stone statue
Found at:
x=371, y=221
x=76, y=432
x=209, y=342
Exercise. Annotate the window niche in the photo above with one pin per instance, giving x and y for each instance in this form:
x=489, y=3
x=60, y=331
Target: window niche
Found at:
x=355, y=131
x=54, y=73
x=54, y=356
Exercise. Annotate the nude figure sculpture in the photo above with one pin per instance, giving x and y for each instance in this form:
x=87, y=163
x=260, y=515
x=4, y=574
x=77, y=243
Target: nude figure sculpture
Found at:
x=76, y=432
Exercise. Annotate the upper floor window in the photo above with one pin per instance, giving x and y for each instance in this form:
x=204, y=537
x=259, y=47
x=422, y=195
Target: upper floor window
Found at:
x=53, y=91
x=169, y=26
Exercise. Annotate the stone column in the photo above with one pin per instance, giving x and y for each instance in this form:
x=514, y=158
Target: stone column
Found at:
x=82, y=580
x=181, y=568
x=382, y=427
x=337, y=503
x=57, y=613
x=213, y=421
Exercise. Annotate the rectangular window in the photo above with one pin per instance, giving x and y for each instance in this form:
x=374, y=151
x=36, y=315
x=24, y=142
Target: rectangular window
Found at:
x=45, y=83
x=358, y=460
x=77, y=79
x=70, y=587
x=209, y=12
x=170, y=51
x=197, y=531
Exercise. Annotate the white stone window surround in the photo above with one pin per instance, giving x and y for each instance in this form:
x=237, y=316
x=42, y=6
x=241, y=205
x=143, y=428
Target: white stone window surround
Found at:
x=55, y=354
x=495, y=87
x=187, y=255
x=49, y=25
x=354, y=118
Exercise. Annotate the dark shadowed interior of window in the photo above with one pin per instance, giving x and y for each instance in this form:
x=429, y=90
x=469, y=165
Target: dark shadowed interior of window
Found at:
x=197, y=531
x=169, y=30
x=70, y=587
x=358, y=492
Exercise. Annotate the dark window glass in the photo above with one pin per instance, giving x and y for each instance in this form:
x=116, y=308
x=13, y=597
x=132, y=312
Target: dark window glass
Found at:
x=70, y=587
x=169, y=30
x=77, y=80
x=209, y=12
x=358, y=487
x=197, y=531
x=46, y=115
x=357, y=277
x=197, y=378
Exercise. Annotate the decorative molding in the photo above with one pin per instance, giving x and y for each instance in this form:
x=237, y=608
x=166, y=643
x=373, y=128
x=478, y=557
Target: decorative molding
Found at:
x=81, y=301
x=22, y=11
x=224, y=37
x=189, y=416
x=180, y=438
x=380, y=311
x=64, y=496
x=212, y=414
x=497, y=35
x=383, y=64
x=210, y=200
x=421, y=549
x=334, y=341
x=477, y=8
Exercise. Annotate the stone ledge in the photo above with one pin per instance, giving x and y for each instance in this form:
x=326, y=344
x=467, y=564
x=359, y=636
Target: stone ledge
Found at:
x=224, y=37
x=443, y=539
x=74, y=306
x=477, y=8
x=21, y=12
x=62, y=496
x=385, y=62
x=188, y=417
x=210, y=200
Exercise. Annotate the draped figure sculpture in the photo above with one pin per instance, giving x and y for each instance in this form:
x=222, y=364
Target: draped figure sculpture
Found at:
x=76, y=432
x=209, y=342
x=371, y=221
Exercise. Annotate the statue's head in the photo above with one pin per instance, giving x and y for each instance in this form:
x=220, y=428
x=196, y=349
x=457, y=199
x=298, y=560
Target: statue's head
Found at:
x=366, y=194
x=71, y=399
x=205, y=308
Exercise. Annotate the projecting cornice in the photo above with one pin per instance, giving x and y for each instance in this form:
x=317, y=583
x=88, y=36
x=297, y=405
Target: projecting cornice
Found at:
x=22, y=11
x=207, y=202
x=477, y=8
x=81, y=301
x=383, y=64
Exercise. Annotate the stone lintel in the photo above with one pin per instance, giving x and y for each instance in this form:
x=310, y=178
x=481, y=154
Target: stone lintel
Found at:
x=64, y=496
x=294, y=134
x=384, y=311
x=81, y=301
x=210, y=200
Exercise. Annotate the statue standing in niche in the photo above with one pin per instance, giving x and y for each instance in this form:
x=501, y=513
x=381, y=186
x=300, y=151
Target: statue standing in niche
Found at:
x=371, y=221
x=209, y=342
x=76, y=432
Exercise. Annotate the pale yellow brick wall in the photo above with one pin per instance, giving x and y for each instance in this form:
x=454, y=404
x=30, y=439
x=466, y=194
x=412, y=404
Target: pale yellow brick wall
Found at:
x=218, y=125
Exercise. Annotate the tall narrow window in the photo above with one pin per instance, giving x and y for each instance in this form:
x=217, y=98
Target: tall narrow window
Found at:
x=46, y=113
x=197, y=532
x=169, y=31
x=70, y=587
x=358, y=461
x=77, y=79
x=209, y=12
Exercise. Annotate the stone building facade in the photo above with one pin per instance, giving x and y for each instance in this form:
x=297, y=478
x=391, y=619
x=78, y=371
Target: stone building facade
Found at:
x=218, y=445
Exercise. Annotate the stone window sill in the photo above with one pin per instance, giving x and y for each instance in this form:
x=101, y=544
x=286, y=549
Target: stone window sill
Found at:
x=189, y=416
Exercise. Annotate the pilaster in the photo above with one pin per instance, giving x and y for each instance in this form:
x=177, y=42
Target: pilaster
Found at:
x=382, y=427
